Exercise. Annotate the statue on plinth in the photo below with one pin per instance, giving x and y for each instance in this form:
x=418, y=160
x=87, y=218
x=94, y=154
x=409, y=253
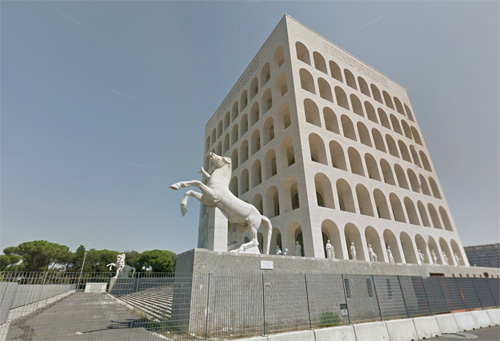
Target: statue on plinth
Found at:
x=122, y=270
x=244, y=216
x=278, y=250
x=330, y=252
x=421, y=256
x=298, y=249
x=445, y=258
x=434, y=257
x=389, y=255
x=353, y=251
x=457, y=259
x=372, y=254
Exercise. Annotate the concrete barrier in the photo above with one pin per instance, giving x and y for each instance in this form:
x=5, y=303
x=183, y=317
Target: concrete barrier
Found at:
x=426, y=327
x=344, y=333
x=401, y=330
x=494, y=315
x=371, y=331
x=465, y=321
x=447, y=323
x=253, y=338
x=481, y=319
x=304, y=335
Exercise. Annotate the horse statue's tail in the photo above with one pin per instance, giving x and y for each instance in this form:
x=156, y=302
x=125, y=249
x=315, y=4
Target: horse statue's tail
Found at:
x=268, y=233
x=133, y=272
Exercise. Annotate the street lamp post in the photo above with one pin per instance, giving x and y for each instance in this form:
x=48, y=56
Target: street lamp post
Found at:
x=83, y=264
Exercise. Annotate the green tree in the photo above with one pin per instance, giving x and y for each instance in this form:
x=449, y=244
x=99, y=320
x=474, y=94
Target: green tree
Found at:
x=38, y=255
x=97, y=260
x=131, y=257
x=157, y=260
x=8, y=262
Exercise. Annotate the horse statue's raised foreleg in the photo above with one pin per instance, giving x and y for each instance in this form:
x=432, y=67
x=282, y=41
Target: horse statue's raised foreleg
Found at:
x=110, y=265
x=184, y=200
x=204, y=197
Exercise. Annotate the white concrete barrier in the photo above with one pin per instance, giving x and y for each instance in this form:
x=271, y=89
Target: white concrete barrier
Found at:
x=255, y=338
x=401, y=330
x=494, y=315
x=481, y=319
x=426, y=327
x=344, y=333
x=371, y=331
x=304, y=335
x=447, y=323
x=465, y=321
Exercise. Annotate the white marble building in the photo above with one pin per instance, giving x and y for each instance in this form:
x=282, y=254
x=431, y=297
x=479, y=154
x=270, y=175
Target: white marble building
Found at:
x=329, y=148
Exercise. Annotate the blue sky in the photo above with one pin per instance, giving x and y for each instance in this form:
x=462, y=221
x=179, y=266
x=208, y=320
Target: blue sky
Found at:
x=103, y=106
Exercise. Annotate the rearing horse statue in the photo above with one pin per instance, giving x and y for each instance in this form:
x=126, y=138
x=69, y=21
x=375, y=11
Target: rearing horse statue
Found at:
x=244, y=216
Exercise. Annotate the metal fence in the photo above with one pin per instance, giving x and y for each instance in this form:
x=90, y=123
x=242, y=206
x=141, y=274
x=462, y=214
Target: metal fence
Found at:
x=152, y=306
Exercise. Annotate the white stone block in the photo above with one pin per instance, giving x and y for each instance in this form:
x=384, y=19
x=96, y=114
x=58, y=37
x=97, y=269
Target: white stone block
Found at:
x=481, y=319
x=304, y=335
x=465, y=321
x=494, y=315
x=371, y=331
x=426, y=327
x=217, y=230
x=447, y=323
x=401, y=330
x=344, y=333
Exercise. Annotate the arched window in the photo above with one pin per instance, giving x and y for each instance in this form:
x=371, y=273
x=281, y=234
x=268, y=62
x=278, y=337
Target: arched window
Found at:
x=233, y=186
x=387, y=99
x=243, y=100
x=244, y=185
x=325, y=91
x=445, y=219
x=372, y=167
x=234, y=159
x=268, y=130
x=387, y=172
x=434, y=187
x=364, y=135
x=423, y=214
x=287, y=154
x=352, y=235
x=404, y=151
x=408, y=113
x=270, y=164
x=234, y=111
x=295, y=201
x=255, y=141
x=219, y=129
x=345, y=196
x=406, y=129
x=319, y=62
x=391, y=145
x=378, y=140
x=399, y=106
x=364, y=201
x=376, y=93
x=207, y=144
x=397, y=209
x=381, y=205
x=400, y=175
x=257, y=202
x=254, y=88
x=355, y=162
x=306, y=81
x=363, y=86
x=265, y=75
x=226, y=143
x=302, y=53
x=356, y=106
x=395, y=124
x=408, y=250
x=272, y=201
x=414, y=155
x=244, y=151
x=370, y=112
x=331, y=123
x=348, y=127
x=279, y=57
x=335, y=71
x=256, y=173
x=281, y=85
x=284, y=115
x=226, y=121
x=425, y=161
x=243, y=125
x=324, y=193
x=423, y=185
x=373, y=239
x=349, y=79
x=267, y=101
x=337, y=155
x=317, y=149
x=341, y=97
x=416, y=135
x=312, y=112
x=415, y=187
x=219, y=148
x=434, y=217
x=384, y=121
x=411, y=211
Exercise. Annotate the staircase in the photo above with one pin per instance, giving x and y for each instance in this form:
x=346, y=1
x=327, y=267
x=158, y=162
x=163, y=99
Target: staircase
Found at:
x=156, y=302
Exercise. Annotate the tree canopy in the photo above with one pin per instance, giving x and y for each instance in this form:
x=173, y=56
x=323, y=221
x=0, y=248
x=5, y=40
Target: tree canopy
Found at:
x=157, y=260
x=38, y=255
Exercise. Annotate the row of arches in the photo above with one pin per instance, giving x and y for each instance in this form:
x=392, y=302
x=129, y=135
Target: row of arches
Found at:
x=358, y=84
x=369, y=167
x=249, y=94
x=354, y=104
x=405, y=249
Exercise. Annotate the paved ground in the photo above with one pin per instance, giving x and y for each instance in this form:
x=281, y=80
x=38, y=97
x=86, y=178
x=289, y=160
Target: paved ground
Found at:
x=485, y=334
x=83, y=316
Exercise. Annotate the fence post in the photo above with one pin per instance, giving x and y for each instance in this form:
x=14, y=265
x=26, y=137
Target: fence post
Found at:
x=307, y=297
x=345, y=297
x=376, y=297
x=403, y=295
x=208, y=302
x=263, y=304
x=426, y=297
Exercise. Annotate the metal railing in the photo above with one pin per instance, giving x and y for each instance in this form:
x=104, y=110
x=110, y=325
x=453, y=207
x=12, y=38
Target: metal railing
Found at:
x=152, y=306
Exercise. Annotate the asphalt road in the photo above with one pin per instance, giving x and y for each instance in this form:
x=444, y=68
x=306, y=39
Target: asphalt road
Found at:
x=485, y=334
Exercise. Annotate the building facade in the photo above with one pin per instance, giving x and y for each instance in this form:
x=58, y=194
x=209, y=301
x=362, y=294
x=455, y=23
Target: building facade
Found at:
x=329, y=149
x=487, y=256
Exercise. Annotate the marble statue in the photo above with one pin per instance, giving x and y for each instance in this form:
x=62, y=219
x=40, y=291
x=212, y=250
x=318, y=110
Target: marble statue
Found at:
x=244, y=216
x=122, y=270
x=285, y=252
x=353, y=251
x=330, y=252
x=434, y=257
x=372, y=254
x=389, y=255
x=298, y=249
x=445, y=258
x=421, y=256
x=457, y=259
x=278, y=250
